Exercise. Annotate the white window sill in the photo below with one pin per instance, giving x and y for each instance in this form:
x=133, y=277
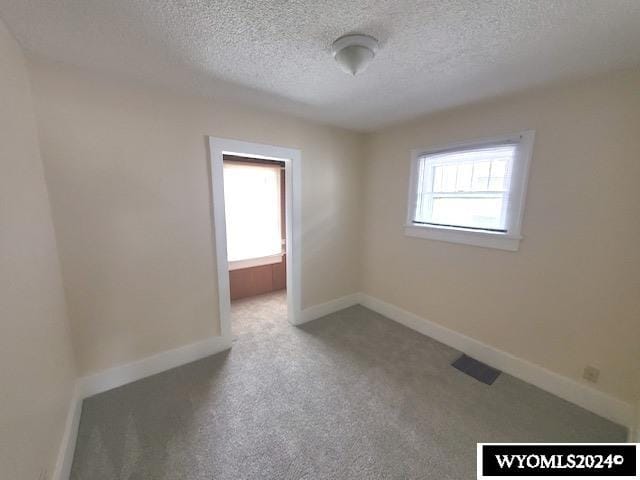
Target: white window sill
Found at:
x=256, y=262
x=477, y=238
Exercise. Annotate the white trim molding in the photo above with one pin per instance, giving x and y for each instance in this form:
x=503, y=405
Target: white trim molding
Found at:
x=503, y=240
x=62, y=469
x=584, y=396
x=218, y=147
x=160, y=362
x=121, y=375
x=500, y=241
x=255, y=262
x=327, y=308
x=593, y=400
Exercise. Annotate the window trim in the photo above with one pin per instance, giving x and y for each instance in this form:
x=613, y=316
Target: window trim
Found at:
x=255, y=262
x=509, y=240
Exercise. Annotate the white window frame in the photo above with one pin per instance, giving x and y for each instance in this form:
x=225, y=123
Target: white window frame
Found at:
x=509, y=240
x=255, y=262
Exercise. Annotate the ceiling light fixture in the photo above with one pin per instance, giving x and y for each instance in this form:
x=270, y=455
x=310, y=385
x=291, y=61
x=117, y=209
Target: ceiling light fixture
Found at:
x=354, y=52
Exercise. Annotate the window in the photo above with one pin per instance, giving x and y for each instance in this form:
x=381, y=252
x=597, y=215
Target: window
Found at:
x=471, y=193
x=253, y=214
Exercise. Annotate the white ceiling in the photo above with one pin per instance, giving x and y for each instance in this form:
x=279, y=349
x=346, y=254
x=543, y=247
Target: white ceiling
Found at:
x=276, y=54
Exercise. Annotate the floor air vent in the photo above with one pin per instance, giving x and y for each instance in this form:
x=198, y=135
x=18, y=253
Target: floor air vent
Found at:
x=478, y=370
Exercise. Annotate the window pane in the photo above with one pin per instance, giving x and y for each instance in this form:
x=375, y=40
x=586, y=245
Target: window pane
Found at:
x=466, y=188
x=498, y=171
x=481, y=176
x=465, y=175
x=468, y=212
x=437, y=179
x=252, y=210
x=449, y=178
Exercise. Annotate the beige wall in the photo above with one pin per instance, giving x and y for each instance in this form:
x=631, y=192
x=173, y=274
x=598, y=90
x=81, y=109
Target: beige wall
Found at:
x=571, y=295
x=126, y=165
x=127, y=173
x=127, y=169
x=36, y=360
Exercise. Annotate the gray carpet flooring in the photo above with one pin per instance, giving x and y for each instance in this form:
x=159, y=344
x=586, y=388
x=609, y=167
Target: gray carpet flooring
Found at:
x=350, y=396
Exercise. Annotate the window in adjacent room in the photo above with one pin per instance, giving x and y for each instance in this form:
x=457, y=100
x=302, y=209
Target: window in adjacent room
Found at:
x=471, y=193
x=253, y=211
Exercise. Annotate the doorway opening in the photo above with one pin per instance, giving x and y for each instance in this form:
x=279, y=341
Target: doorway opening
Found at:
x=256, y=217
x=255, y=213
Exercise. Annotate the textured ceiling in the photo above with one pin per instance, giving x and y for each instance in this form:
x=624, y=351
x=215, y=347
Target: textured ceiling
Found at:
x=276, y=54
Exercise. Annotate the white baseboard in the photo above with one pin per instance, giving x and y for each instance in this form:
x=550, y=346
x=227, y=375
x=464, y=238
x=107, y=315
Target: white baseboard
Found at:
x=570, y=390
x=68, y=444
x=121, y=375
x=130, y=372
x=332, y=306
x=586, y=397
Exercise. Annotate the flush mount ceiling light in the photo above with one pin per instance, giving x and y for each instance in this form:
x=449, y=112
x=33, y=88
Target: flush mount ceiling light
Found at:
x=354, y=52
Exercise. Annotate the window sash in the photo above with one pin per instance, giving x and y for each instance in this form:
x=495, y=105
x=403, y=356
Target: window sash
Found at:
x=253, y=210
x=509, y=240
x=479, y=194
x=466, y=160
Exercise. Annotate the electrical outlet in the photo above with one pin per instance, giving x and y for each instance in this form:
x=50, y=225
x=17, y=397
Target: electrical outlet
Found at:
x=591, y=374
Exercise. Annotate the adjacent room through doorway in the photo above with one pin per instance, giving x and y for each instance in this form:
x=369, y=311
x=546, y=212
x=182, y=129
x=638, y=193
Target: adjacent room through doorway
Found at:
x=255, y=217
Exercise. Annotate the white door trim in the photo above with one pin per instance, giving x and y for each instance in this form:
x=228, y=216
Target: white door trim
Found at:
x=293, y=192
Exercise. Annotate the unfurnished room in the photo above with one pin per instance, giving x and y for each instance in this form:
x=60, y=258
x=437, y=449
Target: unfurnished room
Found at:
x=319, y=240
